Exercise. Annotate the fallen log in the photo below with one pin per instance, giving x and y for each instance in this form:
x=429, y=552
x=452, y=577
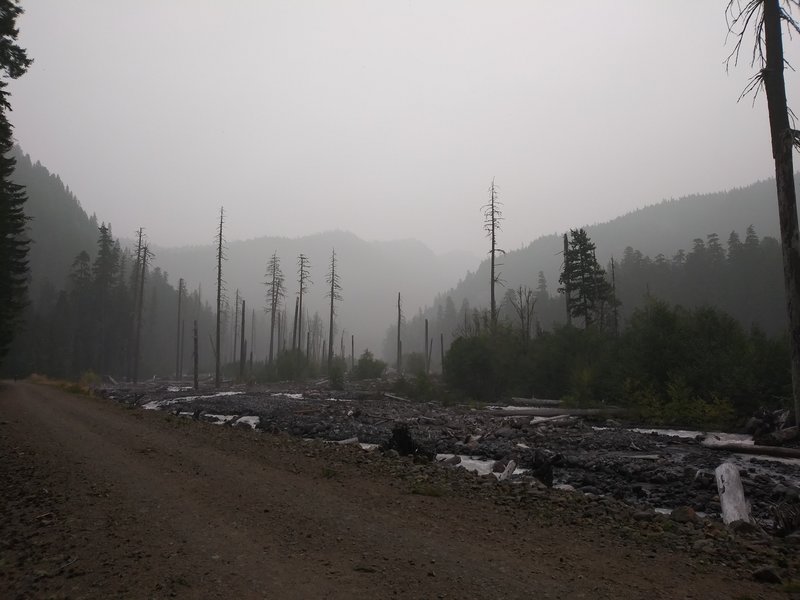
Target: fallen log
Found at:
x=352, y=440
x=553, y=412
x=553, y=420
x=779, y=437
x=535, y=401
x=508, y=471
x=393, y=397
x=731, y=494
x=775, y=451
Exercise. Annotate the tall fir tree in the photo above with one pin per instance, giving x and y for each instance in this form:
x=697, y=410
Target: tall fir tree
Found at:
x=13, y=243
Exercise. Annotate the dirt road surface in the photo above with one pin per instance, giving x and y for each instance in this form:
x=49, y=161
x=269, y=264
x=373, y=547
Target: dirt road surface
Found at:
x=101, y=501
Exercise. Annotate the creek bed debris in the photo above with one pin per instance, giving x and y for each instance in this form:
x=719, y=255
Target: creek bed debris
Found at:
x=584, y=452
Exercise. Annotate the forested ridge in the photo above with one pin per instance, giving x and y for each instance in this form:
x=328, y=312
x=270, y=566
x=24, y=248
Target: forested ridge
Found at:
x=86, y=285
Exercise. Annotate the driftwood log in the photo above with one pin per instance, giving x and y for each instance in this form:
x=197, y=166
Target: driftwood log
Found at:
x=508, y=471
x=535, y=401
x=554, y=412
x=731, y=494
x=776, y=451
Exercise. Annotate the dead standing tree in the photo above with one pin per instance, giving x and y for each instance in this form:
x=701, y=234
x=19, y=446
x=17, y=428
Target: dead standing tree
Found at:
x=492, y=216
x=767, y=18
x=145, y=255
x=399, y=341
x=334, y=293
x=220, y=292
x=276, y=290
x=523, y=301
x=303, y=281
x=178, y=335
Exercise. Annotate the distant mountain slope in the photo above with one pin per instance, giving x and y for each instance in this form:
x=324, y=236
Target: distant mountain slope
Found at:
x=371, y=275
x=59, y=227
x=662, y=228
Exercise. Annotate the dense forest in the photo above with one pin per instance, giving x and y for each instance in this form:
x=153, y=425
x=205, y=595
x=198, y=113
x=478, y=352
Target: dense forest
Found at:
x=690, y=346
x=742, y=278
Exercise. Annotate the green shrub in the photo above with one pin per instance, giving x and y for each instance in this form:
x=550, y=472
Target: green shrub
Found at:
x=368, y=367
x=336, y=373
x=291, y=365
x=414, y=363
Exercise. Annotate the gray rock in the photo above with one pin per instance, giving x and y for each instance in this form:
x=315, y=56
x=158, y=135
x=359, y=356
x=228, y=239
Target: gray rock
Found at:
x=684, y=514
x=767, y=575
x=644, y=515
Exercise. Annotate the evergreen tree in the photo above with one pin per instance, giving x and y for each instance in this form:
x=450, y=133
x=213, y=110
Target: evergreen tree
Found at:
x=104, y=271
x=13, y=244
x=584, y=280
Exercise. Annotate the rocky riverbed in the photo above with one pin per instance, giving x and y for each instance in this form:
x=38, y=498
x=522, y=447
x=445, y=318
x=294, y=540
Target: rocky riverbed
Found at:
x=649, y=471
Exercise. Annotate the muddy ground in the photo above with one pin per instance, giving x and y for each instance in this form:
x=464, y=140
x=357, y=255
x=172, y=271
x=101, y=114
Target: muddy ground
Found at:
x=648, y=471
x=104, y=500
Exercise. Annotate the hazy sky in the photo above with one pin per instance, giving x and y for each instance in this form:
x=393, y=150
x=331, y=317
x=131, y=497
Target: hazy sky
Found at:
x=385, y=118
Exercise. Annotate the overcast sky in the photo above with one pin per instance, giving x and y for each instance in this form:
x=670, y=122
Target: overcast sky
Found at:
x=385, y=118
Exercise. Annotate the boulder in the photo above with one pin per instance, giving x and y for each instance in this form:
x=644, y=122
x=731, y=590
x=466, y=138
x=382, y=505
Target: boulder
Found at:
x=684, y=514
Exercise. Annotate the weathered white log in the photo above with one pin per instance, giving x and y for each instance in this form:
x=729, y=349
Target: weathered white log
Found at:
x=508, y=471
x=552, y=412
x=535, y=401
x=777, y=451
x=352, y=440
x=393, y=397
x=731, y=494
x=556, y=419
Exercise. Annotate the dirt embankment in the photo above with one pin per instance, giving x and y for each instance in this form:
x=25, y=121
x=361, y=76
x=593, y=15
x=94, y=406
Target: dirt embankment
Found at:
x=102, y=501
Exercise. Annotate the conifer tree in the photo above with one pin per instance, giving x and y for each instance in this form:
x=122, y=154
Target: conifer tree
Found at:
x=13, y=244
x=583, y=280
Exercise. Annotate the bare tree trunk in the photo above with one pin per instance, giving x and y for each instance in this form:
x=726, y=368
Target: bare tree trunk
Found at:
x=492, y=224
x=427, y=353
x=614, y=297
x=137, y=267
x=567, y=286
x=441, y=350
x=183, y=339
x=195, y=358
x=243, y=352
x=352, y=352
x=399, y=345
x=252, y=338
x=140, y=306
x=271, y=334
x=782, y=145
x=178, y=335
x=279, y=331
x=218, y=370
x=295, y=339
x=235, y=329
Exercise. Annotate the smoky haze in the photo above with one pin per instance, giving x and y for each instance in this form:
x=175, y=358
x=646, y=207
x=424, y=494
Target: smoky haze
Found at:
x=387, y=119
